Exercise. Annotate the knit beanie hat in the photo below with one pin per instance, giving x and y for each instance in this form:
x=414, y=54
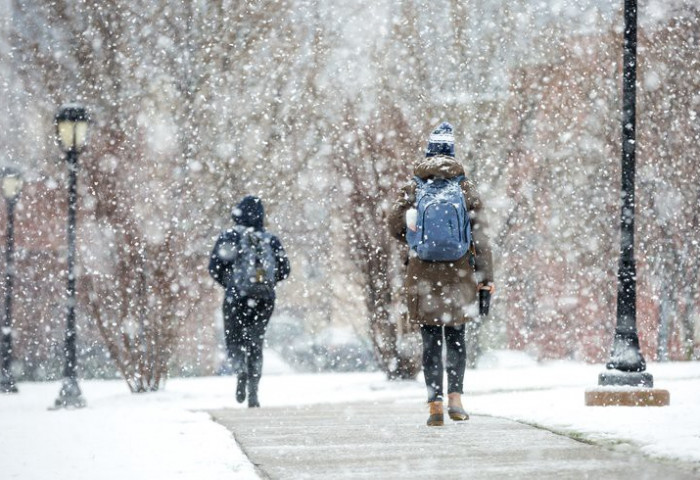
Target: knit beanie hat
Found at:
x=441, y=141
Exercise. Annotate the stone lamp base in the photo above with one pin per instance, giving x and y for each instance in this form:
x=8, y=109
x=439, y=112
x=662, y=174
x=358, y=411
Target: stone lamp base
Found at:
x=626, y=389
x=627, y=397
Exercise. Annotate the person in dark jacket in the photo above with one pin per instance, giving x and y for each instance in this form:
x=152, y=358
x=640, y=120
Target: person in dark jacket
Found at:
x=442, y=296
x=247, y=311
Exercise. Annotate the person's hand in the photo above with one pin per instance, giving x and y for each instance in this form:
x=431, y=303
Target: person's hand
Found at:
x=487, y=286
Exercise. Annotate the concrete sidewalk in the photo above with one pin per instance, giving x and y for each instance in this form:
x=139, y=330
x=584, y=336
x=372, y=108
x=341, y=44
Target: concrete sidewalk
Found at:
x=390, y=441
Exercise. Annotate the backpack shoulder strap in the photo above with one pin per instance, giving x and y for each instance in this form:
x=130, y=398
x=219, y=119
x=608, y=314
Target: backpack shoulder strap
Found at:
x=419, y=192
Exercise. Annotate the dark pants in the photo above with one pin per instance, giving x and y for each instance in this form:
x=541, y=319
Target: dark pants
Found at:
x=432, y=359
x=245, y=321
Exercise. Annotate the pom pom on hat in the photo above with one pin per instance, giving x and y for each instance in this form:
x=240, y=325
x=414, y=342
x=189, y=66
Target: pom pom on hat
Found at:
x=441, y=141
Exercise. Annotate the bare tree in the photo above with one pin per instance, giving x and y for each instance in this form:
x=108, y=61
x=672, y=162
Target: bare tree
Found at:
x=369, y=162
x=139, y=188
x=668, y=177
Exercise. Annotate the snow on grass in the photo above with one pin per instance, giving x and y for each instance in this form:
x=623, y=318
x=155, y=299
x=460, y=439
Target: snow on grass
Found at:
x=118, y=436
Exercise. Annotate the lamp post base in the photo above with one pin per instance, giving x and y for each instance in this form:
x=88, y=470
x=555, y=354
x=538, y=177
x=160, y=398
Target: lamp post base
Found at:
x=627, y=397
x=616, y=378
x=69, y=396
x=7, y=384
x=626, y=389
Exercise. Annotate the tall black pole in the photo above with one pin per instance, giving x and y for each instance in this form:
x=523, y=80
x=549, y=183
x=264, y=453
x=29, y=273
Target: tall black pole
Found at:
x=7, y=381
x=626, y=356
x=70, y=395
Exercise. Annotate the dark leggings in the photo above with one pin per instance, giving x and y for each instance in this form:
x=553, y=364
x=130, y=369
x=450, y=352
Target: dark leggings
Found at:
x=245, y=321
x=432, y=359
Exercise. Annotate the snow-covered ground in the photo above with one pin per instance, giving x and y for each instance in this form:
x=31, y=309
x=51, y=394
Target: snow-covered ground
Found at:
x=167, y=435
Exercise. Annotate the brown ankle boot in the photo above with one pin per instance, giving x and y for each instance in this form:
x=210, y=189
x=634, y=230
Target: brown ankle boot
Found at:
x=437, y=417
x=458, y=414
x=455, y=409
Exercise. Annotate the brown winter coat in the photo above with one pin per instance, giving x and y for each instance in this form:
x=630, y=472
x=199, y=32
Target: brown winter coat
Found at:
x=440, y=293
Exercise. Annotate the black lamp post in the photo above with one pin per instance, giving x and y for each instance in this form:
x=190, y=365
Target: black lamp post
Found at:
x=71, y=128
x=626, y=365
x=11, y=187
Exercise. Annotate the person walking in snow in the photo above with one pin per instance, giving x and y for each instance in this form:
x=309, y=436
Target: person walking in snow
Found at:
x=441, y=217
x=248, y=262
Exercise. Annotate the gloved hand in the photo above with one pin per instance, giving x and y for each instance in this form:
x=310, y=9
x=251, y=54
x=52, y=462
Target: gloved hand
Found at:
x=485, y=290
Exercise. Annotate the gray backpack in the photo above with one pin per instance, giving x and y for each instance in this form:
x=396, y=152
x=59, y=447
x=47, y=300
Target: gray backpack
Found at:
x=254, y=265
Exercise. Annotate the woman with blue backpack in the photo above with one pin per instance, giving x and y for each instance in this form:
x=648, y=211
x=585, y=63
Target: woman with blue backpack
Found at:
x=439, y=216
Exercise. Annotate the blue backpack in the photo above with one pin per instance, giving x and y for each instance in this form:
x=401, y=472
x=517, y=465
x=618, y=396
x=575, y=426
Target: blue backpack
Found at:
x=254, y=265
x=443, y=231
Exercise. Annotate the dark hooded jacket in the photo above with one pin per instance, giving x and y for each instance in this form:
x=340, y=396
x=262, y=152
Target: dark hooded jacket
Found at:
x=248, y=214
x=443, y=293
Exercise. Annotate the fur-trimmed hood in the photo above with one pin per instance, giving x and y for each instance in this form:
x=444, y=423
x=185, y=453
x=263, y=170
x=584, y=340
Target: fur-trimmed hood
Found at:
x=440, y=166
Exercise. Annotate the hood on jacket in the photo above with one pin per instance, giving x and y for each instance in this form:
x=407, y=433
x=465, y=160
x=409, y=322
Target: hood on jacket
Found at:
x=439, y=166
x=249, y=213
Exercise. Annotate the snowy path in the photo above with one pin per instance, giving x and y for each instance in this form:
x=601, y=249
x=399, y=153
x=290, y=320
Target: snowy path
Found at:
x=389, y=440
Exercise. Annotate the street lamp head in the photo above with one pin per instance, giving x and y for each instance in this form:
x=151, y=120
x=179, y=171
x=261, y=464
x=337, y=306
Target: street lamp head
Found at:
x=71, y=127
x=11, y=183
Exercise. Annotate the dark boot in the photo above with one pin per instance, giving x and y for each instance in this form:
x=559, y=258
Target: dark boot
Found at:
x=253, y=393
x=240, y=387
x=253, y=401
x=437, y=416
